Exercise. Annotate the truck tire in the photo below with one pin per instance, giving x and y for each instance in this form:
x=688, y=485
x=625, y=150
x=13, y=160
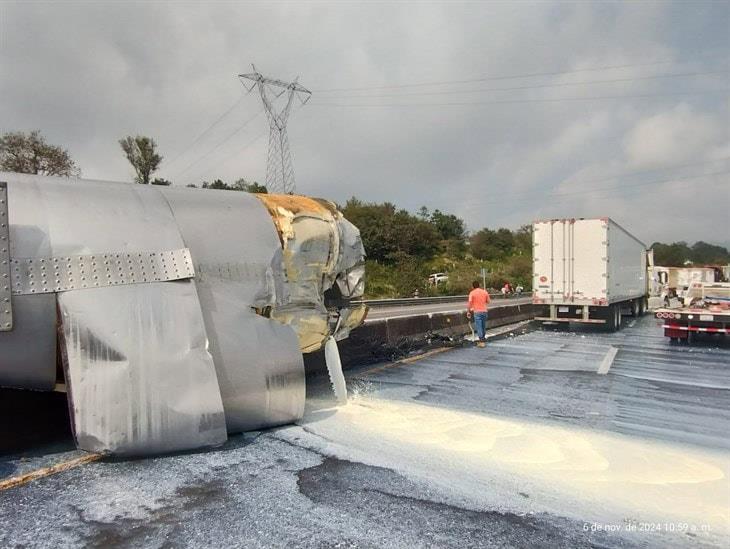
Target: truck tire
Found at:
x=611, y=318
x=619, y=315
x=636, y=308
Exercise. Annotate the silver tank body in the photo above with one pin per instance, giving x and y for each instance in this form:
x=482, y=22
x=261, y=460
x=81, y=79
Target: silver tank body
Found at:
x=162, y=305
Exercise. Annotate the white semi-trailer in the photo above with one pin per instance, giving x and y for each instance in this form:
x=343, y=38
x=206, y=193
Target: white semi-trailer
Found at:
x=587, y=270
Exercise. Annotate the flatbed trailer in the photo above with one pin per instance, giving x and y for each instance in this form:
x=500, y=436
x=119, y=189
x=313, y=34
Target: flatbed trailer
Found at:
x=683, y=323
x=706, y=310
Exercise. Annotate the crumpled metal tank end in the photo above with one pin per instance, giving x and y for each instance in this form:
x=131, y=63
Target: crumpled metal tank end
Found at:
x=324, y=267
x=183, y=313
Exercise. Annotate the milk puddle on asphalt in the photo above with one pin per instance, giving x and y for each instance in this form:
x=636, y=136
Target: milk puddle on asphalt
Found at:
x=647, y=490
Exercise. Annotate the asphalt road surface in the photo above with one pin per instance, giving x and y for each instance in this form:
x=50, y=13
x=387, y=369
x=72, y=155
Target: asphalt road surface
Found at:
x=541, y=439
x=379, y=313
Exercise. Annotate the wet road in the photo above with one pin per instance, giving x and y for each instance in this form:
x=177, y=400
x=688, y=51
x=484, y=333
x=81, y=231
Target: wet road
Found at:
x=379, y=313
x=523, y=443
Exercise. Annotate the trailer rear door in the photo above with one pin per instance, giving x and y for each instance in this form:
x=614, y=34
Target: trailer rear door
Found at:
x=570, y=261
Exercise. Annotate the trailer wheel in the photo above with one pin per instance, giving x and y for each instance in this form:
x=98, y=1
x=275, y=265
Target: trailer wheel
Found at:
x=618, y=317
x=611, y=319
x=635, y=308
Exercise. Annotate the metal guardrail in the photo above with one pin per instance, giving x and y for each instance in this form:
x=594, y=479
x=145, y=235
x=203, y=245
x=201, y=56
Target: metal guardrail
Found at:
x=428, y=300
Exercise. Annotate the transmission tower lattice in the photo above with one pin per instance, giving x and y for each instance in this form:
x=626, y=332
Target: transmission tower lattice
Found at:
x=279, y=168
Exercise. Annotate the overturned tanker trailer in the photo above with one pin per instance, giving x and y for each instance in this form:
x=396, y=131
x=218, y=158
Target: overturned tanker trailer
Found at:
x=173, y=316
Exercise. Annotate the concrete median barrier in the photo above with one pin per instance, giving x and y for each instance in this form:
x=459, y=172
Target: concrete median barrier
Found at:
x=393, y=338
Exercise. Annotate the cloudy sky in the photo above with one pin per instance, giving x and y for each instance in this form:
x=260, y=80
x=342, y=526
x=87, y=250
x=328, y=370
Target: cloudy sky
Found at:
x=499, y=112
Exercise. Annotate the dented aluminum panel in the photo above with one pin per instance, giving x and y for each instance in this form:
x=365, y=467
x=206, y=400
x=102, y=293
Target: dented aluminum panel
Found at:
x=130, y=350
x=140, y=378
x=258, y=360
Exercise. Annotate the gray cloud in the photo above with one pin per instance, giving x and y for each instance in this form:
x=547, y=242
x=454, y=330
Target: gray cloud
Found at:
x=87, y=74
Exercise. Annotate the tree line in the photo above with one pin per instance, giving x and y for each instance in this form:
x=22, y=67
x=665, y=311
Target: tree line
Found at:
x=389, y=233
x=404, y=248
x=30, y=153
x=678, y=254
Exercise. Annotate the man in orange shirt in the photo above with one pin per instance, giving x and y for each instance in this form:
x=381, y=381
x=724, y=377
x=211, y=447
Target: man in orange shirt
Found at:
x=477, y=306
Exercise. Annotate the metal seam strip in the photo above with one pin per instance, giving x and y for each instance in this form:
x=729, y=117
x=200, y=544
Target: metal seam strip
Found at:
x=6, y=306
x=40, y=275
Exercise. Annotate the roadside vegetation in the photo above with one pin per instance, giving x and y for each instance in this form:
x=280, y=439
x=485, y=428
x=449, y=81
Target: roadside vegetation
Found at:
x=404, y=248
x=679, y=254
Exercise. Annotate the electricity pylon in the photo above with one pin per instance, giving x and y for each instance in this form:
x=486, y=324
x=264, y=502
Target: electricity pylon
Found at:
x=279, y=168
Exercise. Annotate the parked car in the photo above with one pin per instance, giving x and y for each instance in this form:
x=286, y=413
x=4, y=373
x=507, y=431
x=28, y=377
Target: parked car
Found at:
x=438, y=278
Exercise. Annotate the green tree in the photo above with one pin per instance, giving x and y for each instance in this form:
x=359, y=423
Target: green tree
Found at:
x=30, y=153
x=388, y=233
x=239, y=185
x=671, y=255
x=452, y=232
x=709, y=254
x=218, y=184
x=523, y=240
x=448, y=226
x=482, y=246
x=504, y=241
x=249, y=187
x=679, y=253
x=492, y=245
x=142, y=155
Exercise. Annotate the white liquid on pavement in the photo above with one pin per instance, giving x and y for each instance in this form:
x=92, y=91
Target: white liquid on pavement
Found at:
x=486, y=461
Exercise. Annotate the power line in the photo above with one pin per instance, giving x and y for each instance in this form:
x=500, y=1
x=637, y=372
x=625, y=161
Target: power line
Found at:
x=550, y=196
x=626, y=175
x=639, y=184
x=206, y=130
x=535, y=86
x=223, y=161
x=220, y=143
x=490, y=78
x=511, y=101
